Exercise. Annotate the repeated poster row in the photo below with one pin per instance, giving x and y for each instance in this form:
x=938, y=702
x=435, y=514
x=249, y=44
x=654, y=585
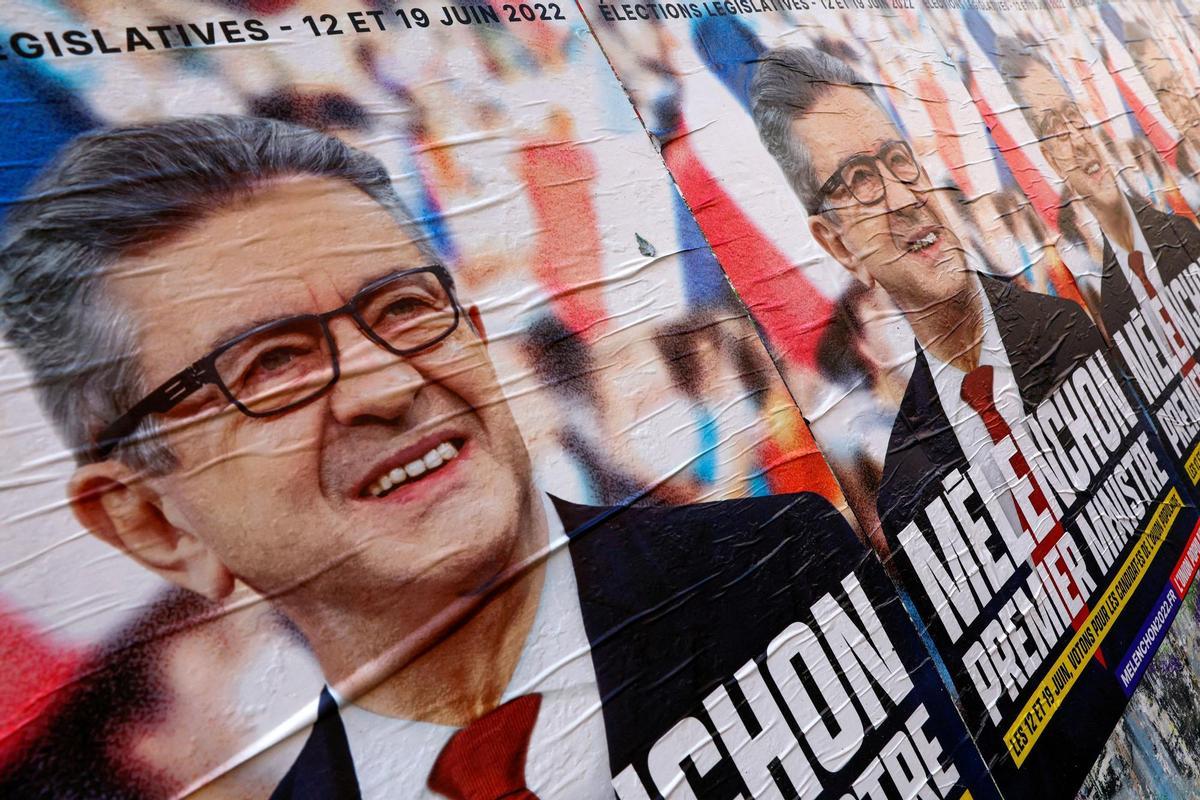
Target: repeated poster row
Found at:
x=753, y=398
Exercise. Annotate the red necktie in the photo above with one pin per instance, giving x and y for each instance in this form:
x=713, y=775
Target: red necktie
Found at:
x=486, y=759
x=979, y=394
x=1137, y=263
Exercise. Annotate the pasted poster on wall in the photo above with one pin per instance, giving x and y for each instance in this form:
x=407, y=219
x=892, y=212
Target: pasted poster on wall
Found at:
x=755, y=398
x=995, y=261
x=380, y=425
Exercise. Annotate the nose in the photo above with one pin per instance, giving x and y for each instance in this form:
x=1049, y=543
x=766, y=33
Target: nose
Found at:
x=897, y=194
x=375, y=385
x=1081, y=145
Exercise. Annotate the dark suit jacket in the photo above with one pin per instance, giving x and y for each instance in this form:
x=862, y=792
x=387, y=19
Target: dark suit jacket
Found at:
x=1174, y=242
x=675, y=600
x=1045, y=339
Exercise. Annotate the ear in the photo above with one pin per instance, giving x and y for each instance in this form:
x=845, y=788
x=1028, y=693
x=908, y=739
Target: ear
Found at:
x=831, y=241
x=120, y=508
x=476, y=320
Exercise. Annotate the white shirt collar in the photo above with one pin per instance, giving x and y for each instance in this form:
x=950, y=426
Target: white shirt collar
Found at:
x=969, y=427
x=1086, y=271
x=393, y=757
x=1140, y=244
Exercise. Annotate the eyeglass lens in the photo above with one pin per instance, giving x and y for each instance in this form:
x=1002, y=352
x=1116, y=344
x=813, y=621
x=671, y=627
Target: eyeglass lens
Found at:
x=278, y=366
x=861, y=176
x=408, y=313
x=285, y=363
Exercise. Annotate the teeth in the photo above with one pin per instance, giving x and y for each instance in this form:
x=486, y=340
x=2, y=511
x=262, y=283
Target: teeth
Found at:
x=1093, y=169
x=436, y=457
x=925, y=241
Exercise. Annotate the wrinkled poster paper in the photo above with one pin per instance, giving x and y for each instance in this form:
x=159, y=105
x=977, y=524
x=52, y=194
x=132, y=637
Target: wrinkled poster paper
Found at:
x=1007, y=252
x=738, y=399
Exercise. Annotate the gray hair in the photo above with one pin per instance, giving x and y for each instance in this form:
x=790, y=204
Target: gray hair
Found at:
x=114, y=191
x=787, y=84
x=1144, y=49
x=1014, y=60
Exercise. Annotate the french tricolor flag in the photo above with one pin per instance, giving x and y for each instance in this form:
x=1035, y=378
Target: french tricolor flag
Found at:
x=1015, y=140
x=1133, y=88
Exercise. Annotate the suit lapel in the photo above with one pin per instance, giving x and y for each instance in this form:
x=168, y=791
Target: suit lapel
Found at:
x=1117, y=301
x=921, y=450
x=1168, y=248
x=1045, y=338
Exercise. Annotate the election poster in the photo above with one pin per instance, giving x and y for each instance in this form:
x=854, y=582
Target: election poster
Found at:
x=497, y=400
x=379, y=424
x=871, y=153
x=1114, y=198
x=1152, y=180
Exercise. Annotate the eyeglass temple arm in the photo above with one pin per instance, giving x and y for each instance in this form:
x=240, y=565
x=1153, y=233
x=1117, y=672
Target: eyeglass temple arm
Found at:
x=160, y=401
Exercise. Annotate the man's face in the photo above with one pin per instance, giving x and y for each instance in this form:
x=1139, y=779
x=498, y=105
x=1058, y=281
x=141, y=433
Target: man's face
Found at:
x=288, y=503
x=903, y=241
x=1067, y=141
x=1173, y=97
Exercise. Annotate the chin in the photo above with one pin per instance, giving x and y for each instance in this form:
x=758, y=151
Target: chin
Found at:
x=472, y=569
x=468, y=549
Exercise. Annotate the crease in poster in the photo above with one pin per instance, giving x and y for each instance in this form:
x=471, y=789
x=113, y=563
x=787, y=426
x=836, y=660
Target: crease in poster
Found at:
x=380, y=425
x=932, y=172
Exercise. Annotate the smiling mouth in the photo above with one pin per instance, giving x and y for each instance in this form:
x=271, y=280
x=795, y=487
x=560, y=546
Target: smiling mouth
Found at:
x=923, y=243
x=1092, y=168
x=433, y=460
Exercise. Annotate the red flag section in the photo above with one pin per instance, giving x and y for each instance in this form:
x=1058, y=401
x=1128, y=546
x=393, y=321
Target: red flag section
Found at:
x=792, y=312
x=33, y=671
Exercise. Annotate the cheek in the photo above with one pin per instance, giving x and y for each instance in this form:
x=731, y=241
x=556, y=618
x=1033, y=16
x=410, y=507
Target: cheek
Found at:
x=467, y=372
x=271, y=449
x=499, y=434
x=505, y=444
x=254, y=470
x=862, y=235
x=1074, y=174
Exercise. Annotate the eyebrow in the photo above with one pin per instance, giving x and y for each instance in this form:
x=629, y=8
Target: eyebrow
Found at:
x=231, y=332
x=873, y=149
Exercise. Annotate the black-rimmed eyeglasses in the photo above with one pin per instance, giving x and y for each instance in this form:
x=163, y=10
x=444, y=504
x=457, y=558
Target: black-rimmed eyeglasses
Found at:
x=1064, y=119
x=280, y=365
x=860, y=175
